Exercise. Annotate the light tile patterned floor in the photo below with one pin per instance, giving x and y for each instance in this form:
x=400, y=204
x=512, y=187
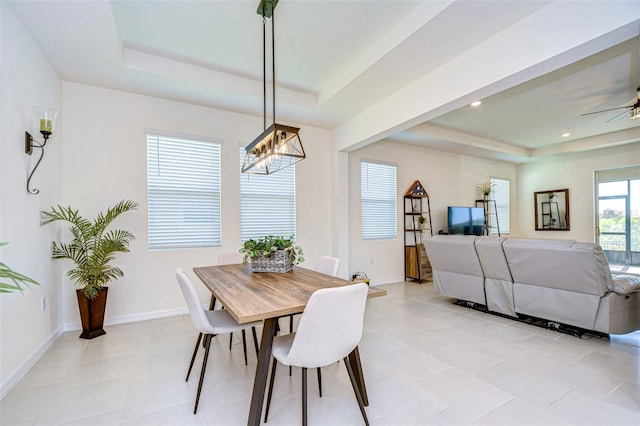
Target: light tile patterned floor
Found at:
x=426, y=362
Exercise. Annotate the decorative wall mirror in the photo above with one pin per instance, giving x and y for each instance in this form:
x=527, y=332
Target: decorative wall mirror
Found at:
x=552, y=210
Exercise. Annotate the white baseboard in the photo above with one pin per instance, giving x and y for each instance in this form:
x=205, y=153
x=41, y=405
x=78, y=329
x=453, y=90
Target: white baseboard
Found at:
x=28, y=363
x=124, y=319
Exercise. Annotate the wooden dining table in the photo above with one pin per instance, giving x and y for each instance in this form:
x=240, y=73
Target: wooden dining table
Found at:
x=267, y=296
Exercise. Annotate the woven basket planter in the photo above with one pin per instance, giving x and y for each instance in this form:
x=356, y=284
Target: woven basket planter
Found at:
x=279, y=261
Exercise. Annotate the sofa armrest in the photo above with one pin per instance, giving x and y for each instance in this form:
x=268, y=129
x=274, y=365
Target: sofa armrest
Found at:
x=625, y=284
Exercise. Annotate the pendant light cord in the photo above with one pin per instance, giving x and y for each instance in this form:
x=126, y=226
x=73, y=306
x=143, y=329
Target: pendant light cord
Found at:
x=273, y=59
x=264, y=65
x=264, y=70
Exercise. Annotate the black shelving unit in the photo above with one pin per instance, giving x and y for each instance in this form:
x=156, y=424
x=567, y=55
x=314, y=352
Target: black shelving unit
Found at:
x=416, y=206
x=488, y=205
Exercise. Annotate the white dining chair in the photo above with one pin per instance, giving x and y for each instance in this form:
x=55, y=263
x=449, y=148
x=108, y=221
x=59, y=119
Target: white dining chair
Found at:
x=326, y=265
x=329, y=330
x=208, y=323
x=235, y=258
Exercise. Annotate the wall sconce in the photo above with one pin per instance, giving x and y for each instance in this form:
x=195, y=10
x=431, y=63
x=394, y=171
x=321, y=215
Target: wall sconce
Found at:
x=45, y=120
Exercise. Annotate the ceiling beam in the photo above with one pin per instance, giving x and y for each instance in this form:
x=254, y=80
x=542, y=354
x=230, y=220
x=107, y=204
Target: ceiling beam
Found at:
x=468, y=139
x=556, y=35
x=415, y=20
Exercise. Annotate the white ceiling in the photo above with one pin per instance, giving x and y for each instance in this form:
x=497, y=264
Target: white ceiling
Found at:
x=333, y=60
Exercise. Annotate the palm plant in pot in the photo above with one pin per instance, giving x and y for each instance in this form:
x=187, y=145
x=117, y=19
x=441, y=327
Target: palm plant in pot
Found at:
x=272, y=254
x=92, y=249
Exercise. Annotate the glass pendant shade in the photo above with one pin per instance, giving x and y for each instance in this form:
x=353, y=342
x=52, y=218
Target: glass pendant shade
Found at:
x=45, y=119
x=279, y=146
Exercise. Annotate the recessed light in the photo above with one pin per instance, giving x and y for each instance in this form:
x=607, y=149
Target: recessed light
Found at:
x=476, y=104
x=566, y=135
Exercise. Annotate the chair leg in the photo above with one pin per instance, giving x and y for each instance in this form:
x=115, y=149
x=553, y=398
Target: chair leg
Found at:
x=319, y=381
x=193, y=357
x=352, y=377
x=230, y=340
x=204, y=367
x=273, y=376
x=244, y=346
x=255, y=340
x=304, y=396
x=290, y=331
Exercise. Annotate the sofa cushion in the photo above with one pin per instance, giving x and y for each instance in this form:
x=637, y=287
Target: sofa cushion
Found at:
x=557, y=264
x=600, y=262
x=625, y=284
x=492, y=259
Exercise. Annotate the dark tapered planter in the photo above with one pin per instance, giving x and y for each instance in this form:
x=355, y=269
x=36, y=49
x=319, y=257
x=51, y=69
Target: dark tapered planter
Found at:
x=92, y=313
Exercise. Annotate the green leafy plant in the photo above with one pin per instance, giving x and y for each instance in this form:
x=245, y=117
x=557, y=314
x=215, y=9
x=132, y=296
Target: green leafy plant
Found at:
x=16, y=278
x=265, y=246
x=485, y=188
x=93, y=247
x=422, y=220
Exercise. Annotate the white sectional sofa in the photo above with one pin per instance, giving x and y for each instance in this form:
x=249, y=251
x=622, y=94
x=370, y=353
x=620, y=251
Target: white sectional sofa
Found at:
x=562, y=281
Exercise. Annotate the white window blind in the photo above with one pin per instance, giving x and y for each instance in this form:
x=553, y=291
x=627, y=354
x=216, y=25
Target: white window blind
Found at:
x=500, y=193
x=184, y=192
x=267, y=203
x=379, y=201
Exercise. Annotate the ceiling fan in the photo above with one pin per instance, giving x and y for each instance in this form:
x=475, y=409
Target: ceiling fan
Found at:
x=634, y=113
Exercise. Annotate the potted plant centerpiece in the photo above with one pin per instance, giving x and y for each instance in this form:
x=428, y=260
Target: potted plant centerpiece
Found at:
x=92, y=249
x=272, y=254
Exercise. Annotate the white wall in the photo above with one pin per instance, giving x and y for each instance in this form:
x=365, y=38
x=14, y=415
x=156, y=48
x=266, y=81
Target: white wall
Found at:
x=450, y=179
x=573, y=171
x=26, y=79
x=104, y=161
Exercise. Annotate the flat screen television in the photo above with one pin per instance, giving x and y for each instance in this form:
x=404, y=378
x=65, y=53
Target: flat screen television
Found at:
x=466, y=220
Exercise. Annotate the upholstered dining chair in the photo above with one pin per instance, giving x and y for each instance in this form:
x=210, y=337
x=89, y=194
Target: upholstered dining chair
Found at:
x=326, y=265
x=209, y=324
x=329, y=330
x=234, y=258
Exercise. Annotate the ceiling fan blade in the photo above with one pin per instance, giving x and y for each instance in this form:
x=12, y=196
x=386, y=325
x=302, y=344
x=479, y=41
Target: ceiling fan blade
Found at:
x=617, y=117
x=605, y=110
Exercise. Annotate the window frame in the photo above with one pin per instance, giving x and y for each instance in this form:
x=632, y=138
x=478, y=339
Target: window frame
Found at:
x=503, y=217
x=369, y=230
x=185, y=189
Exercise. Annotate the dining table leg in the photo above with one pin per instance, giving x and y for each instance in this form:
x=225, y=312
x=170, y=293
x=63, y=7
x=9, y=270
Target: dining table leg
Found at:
x=356, y=366
x=262, y=370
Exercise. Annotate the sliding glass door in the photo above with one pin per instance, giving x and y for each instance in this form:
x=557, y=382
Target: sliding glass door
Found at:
x=618, y=219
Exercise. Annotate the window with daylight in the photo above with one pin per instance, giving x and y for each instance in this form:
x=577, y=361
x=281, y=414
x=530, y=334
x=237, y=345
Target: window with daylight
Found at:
x=267, y=203
x=618, y=217
x=378, y=191
x=184, y=192
x=500, y=193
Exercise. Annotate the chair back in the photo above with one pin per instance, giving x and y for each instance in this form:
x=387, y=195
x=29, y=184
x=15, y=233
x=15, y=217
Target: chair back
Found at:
x=330, y=326
x=328, y=265
x=231, y=258
x=198, y=315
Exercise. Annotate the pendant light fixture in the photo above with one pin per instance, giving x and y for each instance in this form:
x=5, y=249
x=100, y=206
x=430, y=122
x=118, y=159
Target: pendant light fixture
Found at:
x=278, y=146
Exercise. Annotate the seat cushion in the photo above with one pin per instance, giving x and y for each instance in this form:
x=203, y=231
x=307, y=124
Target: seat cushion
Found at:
x=223, y=323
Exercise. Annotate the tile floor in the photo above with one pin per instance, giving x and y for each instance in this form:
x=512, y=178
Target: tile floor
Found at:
x=426, y=362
